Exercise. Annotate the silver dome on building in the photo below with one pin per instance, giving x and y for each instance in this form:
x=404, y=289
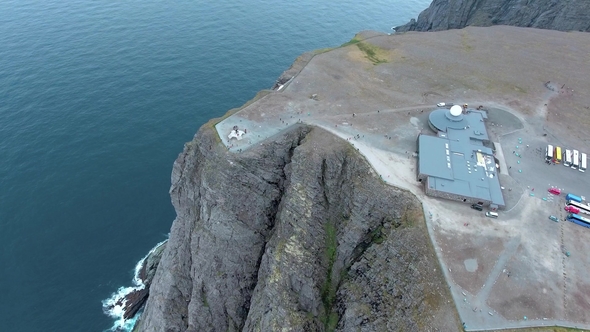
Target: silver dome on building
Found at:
x=444, y=119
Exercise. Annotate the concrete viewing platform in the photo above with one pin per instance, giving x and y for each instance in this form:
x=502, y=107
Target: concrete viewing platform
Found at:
x=509, y=272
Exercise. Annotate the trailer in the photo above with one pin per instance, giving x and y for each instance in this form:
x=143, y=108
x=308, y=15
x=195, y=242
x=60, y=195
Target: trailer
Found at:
x=572, y=197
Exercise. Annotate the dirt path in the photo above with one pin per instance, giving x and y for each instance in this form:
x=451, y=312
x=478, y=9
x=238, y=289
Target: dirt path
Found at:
x=543, y=107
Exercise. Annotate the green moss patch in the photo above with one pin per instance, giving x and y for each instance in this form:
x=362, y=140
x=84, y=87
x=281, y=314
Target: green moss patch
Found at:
x=328, y=290
x=372, y=52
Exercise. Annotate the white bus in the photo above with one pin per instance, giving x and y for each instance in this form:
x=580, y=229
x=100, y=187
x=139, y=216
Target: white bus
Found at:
x=576, y=159
x=583, y=162
x=567, y=158
x=549, y=152
x=585, y=209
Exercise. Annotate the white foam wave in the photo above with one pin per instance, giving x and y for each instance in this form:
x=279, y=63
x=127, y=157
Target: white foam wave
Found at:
x=114, y=306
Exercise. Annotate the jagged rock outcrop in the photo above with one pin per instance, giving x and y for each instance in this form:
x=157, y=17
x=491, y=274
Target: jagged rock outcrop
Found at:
x=150, y=264
x=563, y=15
x=134, y=301
x=264, y=241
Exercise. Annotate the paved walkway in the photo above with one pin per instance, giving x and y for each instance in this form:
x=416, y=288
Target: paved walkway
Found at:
x=500, y=156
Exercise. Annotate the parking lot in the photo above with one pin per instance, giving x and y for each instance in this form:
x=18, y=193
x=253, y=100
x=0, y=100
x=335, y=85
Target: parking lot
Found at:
x=535, y=172
x=513, y=271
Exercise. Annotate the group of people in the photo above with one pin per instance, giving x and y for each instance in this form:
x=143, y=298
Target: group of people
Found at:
x=235, y=128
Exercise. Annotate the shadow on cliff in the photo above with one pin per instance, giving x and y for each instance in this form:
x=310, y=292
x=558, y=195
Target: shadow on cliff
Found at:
x=284, y=236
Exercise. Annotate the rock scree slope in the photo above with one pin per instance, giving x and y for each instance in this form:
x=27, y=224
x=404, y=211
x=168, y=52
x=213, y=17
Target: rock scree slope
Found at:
x=563, y=15
x=297, y=234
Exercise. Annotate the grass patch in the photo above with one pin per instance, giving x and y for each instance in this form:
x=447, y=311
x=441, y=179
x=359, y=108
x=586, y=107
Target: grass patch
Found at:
x=410, y=217
x=332, y=322
x=204, y=300
x=377, y=235
x=322, y=50
x=519, y=89
x=328, y=290
x=371, y=52
x=351, y=42
x=375, y=54
x=466, y=43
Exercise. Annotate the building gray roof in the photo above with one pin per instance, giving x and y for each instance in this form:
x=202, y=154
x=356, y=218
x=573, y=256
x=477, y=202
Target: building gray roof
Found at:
x=471, y=121
x=457, y=162
x=433, y=157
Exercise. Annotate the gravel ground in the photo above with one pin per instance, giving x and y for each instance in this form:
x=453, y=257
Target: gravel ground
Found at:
x=504, y=273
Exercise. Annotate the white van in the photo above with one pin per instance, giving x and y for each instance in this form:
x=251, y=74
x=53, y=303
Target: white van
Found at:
x=491, y=214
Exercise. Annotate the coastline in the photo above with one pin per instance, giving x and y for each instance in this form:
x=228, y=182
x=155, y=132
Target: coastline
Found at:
x=125, y=305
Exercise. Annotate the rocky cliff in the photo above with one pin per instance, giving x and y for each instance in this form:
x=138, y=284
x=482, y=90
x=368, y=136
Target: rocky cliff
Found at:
x=563, y=15
x=297, y=234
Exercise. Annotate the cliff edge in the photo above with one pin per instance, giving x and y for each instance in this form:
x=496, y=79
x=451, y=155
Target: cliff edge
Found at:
x=562, y=15
x=297, y=234
x=291, y=229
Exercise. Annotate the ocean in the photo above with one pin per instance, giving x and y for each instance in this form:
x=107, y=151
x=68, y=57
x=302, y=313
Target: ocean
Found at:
x=96, y=101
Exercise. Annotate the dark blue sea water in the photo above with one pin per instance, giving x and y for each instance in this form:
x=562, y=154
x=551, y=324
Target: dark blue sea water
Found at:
x=96, y=101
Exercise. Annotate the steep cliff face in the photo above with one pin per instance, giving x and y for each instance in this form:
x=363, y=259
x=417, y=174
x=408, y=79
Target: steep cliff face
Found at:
x=298, y=234
x=563, y=15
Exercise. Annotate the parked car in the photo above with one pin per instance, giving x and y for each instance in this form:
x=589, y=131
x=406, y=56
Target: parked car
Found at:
x=440, y=105
x=491, y=214
x=477, y=207
x=554, y=218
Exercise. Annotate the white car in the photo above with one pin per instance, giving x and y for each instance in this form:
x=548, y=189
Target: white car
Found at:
x=440, y=104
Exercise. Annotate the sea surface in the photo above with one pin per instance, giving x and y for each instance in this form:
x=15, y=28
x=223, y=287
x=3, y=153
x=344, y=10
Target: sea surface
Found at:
x=96, y=101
